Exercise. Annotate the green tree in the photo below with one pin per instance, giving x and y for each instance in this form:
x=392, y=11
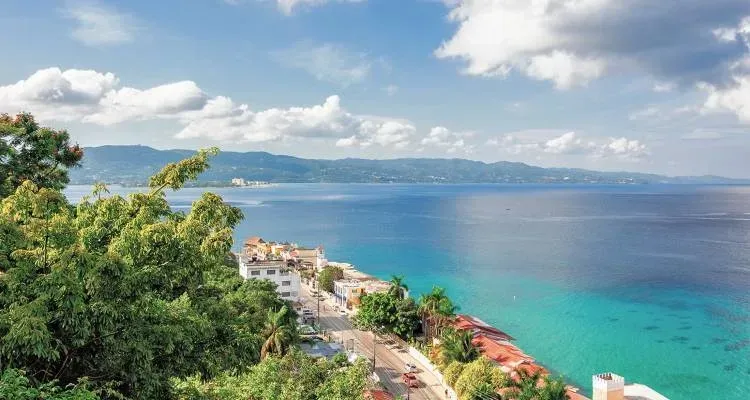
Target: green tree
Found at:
x=279, y=333
x=436, y=310
x=452, y=371
x=30, y=152
x=16, y=386
x=535, y=386
x=479, y=376
x=381, y=310
x=398, y=287
x=125, y=292
x=458, y=345
x=327, y=276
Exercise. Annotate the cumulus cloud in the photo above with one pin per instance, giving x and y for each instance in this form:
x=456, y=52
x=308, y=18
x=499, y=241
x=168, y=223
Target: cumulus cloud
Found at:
x=735, y=99
x=327, y=62
x=569, y=143
x=94, y=97
x=571, y=42
x=97, y=25
x=444, y=138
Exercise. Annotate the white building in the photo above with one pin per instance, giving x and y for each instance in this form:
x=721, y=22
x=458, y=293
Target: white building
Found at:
x=238, y=182
x=609, y=386
x=286, y=280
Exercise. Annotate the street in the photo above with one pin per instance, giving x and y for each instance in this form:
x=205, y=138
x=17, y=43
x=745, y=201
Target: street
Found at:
x=390, y=360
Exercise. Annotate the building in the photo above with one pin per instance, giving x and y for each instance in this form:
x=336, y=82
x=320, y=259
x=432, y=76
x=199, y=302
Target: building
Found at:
x=238, y=182
x=609, y=386
x=346, y=293
x=286, y=280
x=310, y=258
x=256, y=247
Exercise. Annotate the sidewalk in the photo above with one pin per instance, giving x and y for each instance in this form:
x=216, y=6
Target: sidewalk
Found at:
x=390, y=358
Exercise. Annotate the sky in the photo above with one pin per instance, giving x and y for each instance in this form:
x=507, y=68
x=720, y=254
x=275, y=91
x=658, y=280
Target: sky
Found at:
x=634, y=85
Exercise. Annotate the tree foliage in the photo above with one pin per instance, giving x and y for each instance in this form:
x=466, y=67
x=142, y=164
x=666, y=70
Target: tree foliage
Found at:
x=16, y=386
x=30, y=152
x=124, y=291
x=436, y=310
x=383, y=311
x=327, y=276
x=452, y=371
x=457, y=345
x=477, y=377
x=292, y=377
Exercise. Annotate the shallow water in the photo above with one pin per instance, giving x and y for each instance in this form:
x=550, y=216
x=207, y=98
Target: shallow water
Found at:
x=651, y=282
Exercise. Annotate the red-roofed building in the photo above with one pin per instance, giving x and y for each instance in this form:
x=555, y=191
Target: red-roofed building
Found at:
x=476, y=325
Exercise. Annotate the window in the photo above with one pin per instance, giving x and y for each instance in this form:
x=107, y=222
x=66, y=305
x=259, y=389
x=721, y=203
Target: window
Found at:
x=285, y=294
x=286, y=283
x=294, y=294
x=255, y=272
x=270, y=272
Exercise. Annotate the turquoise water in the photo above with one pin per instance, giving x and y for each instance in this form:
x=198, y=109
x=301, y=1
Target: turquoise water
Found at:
x=650, y=282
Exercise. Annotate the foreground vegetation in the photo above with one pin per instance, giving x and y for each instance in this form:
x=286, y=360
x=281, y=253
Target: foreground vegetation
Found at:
x=124, y=298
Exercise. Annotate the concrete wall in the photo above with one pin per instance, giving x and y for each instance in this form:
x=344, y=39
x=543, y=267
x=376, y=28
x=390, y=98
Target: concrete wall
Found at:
x=427, y=364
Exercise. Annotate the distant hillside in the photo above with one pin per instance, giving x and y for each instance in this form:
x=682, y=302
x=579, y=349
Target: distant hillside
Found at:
x=132, y=165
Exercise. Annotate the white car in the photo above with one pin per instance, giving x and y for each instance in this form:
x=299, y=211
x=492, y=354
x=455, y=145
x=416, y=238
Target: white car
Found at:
x=411, y=367
x=343, y=313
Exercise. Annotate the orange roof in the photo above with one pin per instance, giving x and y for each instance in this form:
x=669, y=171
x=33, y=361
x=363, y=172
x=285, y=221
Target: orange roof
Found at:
x=476, y=325
x=378, y=395
x=503, y=353
x=254, y=241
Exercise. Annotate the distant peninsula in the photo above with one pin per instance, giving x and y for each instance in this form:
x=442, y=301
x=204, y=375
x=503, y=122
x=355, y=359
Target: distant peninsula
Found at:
x=132, y=165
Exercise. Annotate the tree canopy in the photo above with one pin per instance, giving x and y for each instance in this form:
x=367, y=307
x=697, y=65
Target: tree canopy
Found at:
x=125, y=292
x=327, y=276
x=30, y=152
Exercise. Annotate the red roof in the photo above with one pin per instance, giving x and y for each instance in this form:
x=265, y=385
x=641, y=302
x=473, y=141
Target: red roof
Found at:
x=503, y=353
x=476, y=325
x=255, y=240
x=378, y=395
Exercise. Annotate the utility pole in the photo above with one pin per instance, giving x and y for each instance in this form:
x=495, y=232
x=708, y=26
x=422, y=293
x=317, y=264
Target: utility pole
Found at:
x=374, y=342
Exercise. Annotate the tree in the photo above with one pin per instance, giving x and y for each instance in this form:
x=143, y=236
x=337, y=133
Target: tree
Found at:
x=535, y=386
x=280, y=332
x=125, y=292
x=398, y=287
x=452, y=371
x=327, y=276
x=479, y=376
x=15, y=385
x=295, y=376
x=458, y=345
x=381, y=310
x=436, y=309
x=30, y=152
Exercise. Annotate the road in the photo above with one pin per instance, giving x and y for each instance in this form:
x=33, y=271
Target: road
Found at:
x=390, y=359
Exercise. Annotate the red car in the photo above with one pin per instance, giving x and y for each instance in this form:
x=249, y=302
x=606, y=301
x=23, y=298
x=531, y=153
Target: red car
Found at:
x=410, y=380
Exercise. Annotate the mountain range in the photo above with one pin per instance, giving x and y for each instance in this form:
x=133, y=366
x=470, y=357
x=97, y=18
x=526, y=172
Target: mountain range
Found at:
x=132, y=165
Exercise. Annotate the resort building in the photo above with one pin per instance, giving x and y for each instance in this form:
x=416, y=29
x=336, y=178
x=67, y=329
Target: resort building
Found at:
x=286, y=280
x=609, y=386
x=255, y=247
x=346, y=293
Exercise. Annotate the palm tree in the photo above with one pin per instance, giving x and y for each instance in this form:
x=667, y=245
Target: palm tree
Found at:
x=279, y=332
x=436, y=308
x=553, y=389
x=398, y=287
x=532, y=386
x=458, y=345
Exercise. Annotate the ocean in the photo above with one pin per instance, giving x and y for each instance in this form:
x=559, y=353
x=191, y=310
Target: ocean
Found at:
x=651, y=282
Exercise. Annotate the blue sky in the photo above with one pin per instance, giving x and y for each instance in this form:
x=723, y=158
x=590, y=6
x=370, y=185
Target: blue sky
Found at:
x=603, y=84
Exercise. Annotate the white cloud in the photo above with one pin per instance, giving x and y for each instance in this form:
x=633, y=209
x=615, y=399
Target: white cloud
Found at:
x=97, y=98
x=327, y=62
x=735, y=99
x=571, y=42
x=444, y=138
x=569, y=143
x=98, y=25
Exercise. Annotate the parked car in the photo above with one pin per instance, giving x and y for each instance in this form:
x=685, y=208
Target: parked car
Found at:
x=410, y=380
x=411, y=367
x=343, y=313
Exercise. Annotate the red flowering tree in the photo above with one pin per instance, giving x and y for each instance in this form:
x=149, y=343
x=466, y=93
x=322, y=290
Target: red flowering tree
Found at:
x=31, y=152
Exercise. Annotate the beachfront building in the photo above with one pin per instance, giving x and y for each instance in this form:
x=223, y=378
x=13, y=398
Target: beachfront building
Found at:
x=609, y=386
x=307, y=257
x=255, y=248
x=286, y=280
x=346, y=293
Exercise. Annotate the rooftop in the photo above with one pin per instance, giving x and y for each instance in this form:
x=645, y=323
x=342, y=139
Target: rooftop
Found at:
x=636, y=391
x=248, y=262
x=476, y=325
x=319, y=349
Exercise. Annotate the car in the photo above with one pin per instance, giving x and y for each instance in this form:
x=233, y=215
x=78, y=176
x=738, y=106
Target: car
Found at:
x=411, y=367
x=342, y=312
x=410, y=380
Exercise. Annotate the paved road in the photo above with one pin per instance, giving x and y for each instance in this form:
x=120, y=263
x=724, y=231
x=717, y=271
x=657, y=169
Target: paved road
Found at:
x=390, y=359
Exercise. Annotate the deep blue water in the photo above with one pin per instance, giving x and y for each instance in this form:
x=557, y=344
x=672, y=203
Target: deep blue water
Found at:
x=651, y=282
